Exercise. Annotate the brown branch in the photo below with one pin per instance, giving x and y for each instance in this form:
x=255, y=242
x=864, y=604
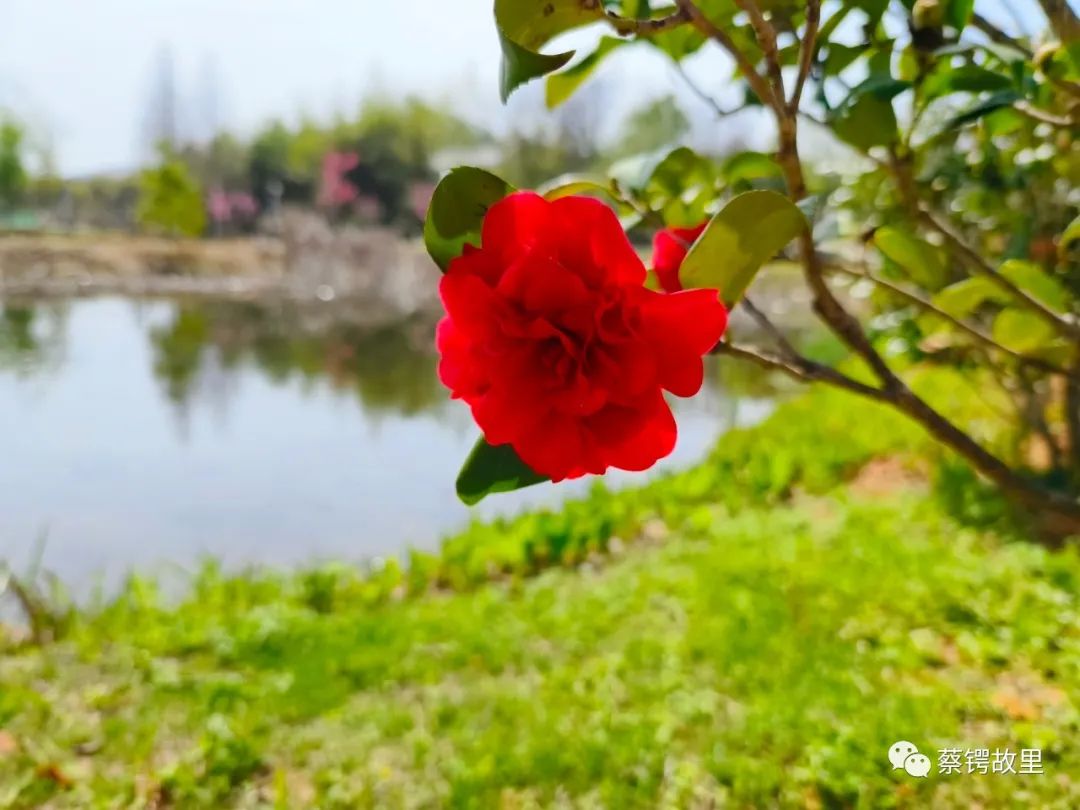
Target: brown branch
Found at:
x=1044, y=117
x=807, y=51
x=925, y=303
x=712, y=31
x=1063, y=20
x=701, y=94
x=627, y=26
x=766, y=37
x=995, y=34
x=763, y=320
x=799, y=368
x=982, y=267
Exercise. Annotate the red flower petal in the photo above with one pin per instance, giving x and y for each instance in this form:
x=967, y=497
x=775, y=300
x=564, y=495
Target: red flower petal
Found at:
x=670, y=247
x=592, y=243
x=515, y=225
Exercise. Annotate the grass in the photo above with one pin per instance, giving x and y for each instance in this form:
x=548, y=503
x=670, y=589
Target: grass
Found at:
x=750, y=633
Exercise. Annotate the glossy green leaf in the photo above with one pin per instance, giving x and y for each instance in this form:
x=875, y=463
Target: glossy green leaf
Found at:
x=457, y=210
x=1071, y=235
x=999, y=100
x=965, y=79
x=840, y=57
x=560, y=86
x=923, y=262
x=749, y=231
x=1022, y=330
x=493, y=468
x=745, y=166
x=678, y=43
x=568, y=184
x=958, y=12
x=1037, y=283
x=520, y=65
x=525, y=26
x=868, y=122
x=964, y=297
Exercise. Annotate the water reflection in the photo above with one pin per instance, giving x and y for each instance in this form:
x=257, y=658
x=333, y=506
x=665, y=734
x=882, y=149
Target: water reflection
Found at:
x=143, y=432
x=31, y=338
x=390, y=367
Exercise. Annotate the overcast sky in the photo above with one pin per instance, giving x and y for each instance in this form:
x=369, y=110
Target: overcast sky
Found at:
x=82, y=71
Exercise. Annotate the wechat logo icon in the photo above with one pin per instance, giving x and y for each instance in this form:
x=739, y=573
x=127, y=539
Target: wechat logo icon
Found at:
x=904, y=755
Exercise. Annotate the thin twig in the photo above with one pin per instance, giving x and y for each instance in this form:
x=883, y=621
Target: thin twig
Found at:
x=995, y=34
x=763, y=320
x=799, y=368
x=807, y=52
x=978, y=264
x=925, y=303
x=627, y=26
x=701, y=94
x=766, y=37
x=710, y=29
x=1044, y=117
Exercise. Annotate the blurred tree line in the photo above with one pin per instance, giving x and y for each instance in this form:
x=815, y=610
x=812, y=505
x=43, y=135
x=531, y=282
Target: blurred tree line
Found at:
x=226, y=184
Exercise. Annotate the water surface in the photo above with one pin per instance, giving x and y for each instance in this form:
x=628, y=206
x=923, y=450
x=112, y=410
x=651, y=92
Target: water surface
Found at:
x=143, y=434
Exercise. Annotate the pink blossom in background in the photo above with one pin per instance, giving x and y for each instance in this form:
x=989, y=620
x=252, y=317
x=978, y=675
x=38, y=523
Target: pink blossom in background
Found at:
x=218, y=205
x=335, y=190
x=243, y=205
x=420, y=195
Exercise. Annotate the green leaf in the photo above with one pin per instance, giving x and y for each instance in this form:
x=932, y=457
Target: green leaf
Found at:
x=922, y=261
x=867, y=123
x=520, y=65
x=493, y=468
x=568, y=184
x=1071, y=234
x=964, y=297
x=745, y=166
x=525, y=26
x=561, y=86
x=965, y=79
x=1037, y=283
x=840, y=57
x=1022, y=330
x=958, y=13
x=678, y=43
x=880, y=86
x=457, y=210
x=999, y=100
x=749, y=231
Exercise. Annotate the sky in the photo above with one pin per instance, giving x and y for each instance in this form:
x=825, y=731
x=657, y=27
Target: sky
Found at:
x=82, y=73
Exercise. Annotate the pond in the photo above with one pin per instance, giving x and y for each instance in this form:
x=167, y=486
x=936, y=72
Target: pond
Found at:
x=147, y=434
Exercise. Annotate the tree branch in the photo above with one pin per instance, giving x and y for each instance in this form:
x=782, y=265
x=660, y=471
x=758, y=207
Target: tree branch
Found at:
x=627, y=26
x=701, y=94
x=807, y=51
x=995, y=34
x=982, y=267
x=712, y=31
x=799, y=368
x=925, y=303
x=766, y=37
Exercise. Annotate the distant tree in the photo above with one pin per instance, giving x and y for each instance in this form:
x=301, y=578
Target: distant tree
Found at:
x=171, y=200
x=653, y=125
x=13, y=176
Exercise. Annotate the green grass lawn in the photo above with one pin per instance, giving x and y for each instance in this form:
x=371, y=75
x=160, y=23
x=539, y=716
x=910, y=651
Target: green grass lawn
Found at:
x=746, y=634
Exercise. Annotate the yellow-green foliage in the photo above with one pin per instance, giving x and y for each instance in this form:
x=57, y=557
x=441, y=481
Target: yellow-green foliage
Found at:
x=170, y=200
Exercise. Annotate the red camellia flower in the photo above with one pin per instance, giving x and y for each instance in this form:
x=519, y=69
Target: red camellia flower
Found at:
x=670, y=247
x=559, y=349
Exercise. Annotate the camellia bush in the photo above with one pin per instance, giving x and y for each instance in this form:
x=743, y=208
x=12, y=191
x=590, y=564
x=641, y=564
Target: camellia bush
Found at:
x=952, y=241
